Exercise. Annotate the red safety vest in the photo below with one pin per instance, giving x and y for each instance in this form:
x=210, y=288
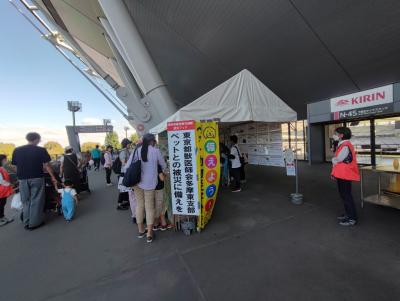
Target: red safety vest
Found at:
x=5, y=191
x=346, y=171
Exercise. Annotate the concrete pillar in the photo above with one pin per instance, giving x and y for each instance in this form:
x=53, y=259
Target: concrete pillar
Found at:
x=316, y=136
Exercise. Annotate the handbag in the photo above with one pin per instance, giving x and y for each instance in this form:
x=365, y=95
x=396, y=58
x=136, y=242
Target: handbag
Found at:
x=133, y=173
x=16, y=202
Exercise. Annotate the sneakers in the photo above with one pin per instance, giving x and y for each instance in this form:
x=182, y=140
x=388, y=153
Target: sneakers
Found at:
x=156, y=228
x=110, y=184
x=143, y=234
x=348, y=222
x=27, y=227
x=149, y=239
x=237, y=190
x=122, y=207
x=342, y=217
x=3, y=221
x=166, y=227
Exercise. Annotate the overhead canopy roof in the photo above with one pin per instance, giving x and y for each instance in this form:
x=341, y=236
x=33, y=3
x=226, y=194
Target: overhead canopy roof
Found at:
x=304, y=50
x=241, y=98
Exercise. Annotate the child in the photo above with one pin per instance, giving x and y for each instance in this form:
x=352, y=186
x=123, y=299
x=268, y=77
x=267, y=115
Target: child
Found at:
x=160, y=204
x=5, y=190
x=69, y=199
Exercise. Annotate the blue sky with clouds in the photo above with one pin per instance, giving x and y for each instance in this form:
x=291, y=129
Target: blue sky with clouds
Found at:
x=36, y=82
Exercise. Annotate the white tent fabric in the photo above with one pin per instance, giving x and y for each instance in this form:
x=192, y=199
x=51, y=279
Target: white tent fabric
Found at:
x=241, y=98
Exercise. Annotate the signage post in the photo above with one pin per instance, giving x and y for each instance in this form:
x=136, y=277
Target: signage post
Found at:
x=291, y=161
x=194, y=169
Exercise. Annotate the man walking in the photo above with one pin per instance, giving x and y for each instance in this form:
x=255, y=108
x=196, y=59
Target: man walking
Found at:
x=30, y=161
x=108, y=162
x=96, y=155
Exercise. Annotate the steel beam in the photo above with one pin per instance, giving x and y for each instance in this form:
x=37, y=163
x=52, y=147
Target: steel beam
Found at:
x=139, y=61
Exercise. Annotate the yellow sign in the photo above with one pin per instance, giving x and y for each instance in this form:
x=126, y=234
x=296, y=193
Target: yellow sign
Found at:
x=208, y=168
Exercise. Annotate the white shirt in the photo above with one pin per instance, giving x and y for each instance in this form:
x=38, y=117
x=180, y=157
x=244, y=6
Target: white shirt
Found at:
x=108, y=159
x=71, y=190
x=235, y=151
x=344, y=152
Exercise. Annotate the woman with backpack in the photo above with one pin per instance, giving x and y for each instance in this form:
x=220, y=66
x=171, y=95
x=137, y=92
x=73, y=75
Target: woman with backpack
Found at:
x=150, y=158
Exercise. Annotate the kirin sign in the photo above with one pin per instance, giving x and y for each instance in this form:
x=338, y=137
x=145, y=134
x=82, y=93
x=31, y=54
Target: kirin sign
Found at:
x=369, y=102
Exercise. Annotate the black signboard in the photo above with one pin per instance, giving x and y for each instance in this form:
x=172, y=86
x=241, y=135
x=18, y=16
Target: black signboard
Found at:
x=363, y=112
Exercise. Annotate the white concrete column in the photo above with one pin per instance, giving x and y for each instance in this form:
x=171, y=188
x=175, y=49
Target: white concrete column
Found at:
x=139, y=61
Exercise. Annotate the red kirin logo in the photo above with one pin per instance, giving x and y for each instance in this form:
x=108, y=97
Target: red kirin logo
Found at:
x=342, y=102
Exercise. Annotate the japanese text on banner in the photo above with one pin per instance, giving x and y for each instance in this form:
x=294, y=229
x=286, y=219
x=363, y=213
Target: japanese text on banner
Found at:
x=209, y=169
x=183, y=167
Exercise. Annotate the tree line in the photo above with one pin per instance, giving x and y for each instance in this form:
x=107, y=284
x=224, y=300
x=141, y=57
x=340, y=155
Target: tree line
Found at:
x=55, y=149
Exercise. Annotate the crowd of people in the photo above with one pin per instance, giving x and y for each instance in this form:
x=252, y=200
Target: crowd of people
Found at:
x=146, y=198
x=32, y=165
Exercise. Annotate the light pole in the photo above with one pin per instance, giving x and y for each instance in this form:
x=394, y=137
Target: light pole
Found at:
x=126, y=131
x=74, y=106
x=106, y=122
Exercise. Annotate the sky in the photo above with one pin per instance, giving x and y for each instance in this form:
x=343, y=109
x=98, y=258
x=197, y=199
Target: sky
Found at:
x=35, y=84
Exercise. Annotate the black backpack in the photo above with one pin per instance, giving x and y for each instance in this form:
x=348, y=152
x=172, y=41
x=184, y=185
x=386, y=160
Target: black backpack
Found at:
x=133, y=173
x=102, y=159
x=117, y=165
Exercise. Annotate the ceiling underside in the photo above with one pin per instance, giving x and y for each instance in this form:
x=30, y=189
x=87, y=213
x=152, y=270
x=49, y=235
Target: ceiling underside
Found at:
x=303, y=50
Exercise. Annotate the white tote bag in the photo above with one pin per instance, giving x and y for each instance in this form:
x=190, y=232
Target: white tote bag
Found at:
x=16, y=202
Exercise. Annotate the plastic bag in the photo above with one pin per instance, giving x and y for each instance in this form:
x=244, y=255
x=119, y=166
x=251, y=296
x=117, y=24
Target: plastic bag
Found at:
x=91, y=162
x=16, y=202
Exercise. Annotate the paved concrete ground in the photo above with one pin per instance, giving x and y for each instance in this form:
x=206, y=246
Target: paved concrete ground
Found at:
x=257, y=247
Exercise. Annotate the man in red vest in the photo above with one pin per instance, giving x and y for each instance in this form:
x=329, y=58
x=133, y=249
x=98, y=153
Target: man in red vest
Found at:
x=345, y=170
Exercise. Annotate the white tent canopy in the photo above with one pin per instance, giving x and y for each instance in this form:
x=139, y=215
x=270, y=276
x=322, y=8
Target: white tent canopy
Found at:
x=241, y=98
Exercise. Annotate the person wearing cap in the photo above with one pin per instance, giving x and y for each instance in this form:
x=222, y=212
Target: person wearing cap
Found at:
x=123, y=197
x=70, y=168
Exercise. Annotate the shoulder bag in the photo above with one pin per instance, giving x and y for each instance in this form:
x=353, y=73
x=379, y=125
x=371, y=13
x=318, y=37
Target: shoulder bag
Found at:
x=134, y=172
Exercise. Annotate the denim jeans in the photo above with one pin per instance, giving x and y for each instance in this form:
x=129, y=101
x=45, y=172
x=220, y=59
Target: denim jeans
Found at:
x=33, y=201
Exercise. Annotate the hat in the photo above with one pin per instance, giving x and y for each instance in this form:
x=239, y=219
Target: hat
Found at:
x=67, y=148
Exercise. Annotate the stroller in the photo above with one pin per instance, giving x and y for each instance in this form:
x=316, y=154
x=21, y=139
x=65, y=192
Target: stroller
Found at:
x=84, y=185
x=53, y=198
